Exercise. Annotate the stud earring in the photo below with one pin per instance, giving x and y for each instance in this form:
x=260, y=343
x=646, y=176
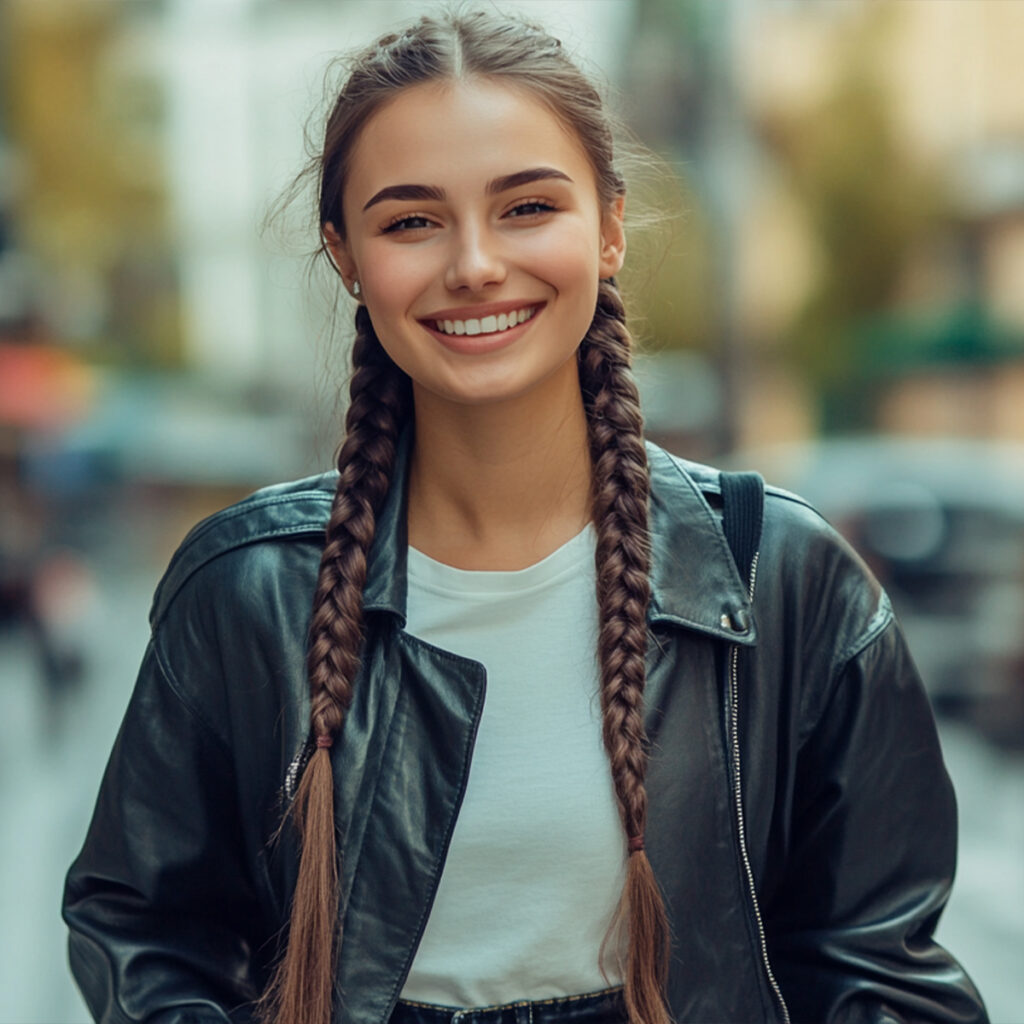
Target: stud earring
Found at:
x=356, y=290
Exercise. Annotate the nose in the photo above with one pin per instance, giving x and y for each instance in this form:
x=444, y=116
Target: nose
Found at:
x=475, y=260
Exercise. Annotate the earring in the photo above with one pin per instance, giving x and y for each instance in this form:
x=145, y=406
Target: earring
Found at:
x=356, y=290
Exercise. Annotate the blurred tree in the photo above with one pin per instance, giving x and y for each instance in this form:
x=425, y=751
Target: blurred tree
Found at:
x=667, y=275
x=93, y=209
x=868, y=205
x=681, y=102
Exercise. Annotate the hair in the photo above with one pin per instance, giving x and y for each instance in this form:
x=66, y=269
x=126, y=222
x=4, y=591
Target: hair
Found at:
x=445, y=47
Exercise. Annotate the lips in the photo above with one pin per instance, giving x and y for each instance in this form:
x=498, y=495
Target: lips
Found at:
x=496, y=326
x=489, y=320
x=486, y=324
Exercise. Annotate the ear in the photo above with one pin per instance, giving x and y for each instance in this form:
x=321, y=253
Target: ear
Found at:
x=340, y=257
x=613, y=239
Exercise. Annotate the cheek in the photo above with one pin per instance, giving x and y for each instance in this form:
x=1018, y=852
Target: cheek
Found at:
x=392, y=276
x=569, y=260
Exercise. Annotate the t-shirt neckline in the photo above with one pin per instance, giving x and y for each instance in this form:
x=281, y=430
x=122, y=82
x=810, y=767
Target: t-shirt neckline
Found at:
x=570, y=557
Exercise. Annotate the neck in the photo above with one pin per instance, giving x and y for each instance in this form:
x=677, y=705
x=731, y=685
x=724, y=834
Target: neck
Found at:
x=501, y=485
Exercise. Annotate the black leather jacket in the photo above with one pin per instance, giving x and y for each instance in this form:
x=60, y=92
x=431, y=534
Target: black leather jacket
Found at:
x=802, y=825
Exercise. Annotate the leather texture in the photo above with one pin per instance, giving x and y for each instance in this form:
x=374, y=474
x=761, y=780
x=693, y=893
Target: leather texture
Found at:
x=177, y=900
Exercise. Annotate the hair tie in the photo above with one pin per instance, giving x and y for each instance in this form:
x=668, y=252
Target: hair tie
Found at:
x=324, y=741
x=636, y=844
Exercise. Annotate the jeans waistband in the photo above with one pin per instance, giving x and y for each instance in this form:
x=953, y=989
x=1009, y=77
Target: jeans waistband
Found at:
x=604, y=1007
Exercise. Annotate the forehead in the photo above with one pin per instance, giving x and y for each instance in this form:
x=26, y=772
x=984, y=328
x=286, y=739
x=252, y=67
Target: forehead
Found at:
x=460, y=135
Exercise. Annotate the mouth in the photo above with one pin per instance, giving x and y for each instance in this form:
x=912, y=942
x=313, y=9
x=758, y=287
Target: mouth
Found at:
x=495, y=323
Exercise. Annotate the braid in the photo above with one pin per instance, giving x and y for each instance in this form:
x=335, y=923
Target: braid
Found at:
x=378, y=406
x=621, y=486
x=303, y=984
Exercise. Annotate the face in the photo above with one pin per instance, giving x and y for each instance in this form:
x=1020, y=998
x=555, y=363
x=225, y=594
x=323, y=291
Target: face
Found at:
x=475, y=231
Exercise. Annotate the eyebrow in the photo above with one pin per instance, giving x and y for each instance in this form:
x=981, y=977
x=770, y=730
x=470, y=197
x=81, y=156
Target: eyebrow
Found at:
x=498, y=185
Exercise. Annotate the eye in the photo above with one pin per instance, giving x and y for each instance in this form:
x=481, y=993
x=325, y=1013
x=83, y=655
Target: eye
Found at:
x=531, y=208
x=407, y=222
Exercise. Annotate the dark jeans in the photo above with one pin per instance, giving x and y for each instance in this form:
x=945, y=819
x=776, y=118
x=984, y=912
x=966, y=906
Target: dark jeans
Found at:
x=604, y=1007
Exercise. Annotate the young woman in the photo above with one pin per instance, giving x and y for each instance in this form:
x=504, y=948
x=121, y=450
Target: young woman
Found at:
x=540, y=753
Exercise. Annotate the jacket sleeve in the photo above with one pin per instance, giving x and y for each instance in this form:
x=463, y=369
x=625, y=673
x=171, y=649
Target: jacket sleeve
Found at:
x=159, y=901
x=871, y=852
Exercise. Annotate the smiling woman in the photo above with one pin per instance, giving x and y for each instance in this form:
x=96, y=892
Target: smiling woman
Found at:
x=490, y=725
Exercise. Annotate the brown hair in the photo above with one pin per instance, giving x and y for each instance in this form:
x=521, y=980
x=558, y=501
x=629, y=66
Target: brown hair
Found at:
x=519, y=54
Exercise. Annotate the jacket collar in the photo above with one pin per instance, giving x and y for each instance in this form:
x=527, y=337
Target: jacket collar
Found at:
x=694, y=580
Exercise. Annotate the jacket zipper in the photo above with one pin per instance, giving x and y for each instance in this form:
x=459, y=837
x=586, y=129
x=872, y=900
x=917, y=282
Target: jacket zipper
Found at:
x=734, y=735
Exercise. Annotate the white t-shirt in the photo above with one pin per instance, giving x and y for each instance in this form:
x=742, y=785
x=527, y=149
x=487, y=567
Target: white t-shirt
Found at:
x=537, y=859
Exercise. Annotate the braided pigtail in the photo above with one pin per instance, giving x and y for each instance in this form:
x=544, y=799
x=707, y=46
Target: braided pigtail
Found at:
x=303, y=985
x=621, y=485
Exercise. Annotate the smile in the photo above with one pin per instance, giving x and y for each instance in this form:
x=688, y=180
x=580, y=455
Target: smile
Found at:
x=486, y=324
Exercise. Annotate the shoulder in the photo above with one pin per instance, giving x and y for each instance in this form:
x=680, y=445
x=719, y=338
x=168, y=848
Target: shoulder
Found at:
x=249, y=532
x=787, y=517
x=780, y=504
x=809, y=578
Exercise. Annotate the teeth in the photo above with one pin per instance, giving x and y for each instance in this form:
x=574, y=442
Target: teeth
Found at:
x=487, y=324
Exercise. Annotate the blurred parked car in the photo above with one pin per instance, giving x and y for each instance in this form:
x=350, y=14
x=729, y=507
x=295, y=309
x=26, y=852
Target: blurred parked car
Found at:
x=941, y=523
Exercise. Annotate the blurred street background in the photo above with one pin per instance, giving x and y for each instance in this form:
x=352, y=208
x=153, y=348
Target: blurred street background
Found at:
x=826, y=273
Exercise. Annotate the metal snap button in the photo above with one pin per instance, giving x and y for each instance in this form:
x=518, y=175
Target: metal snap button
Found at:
x=738, y=621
